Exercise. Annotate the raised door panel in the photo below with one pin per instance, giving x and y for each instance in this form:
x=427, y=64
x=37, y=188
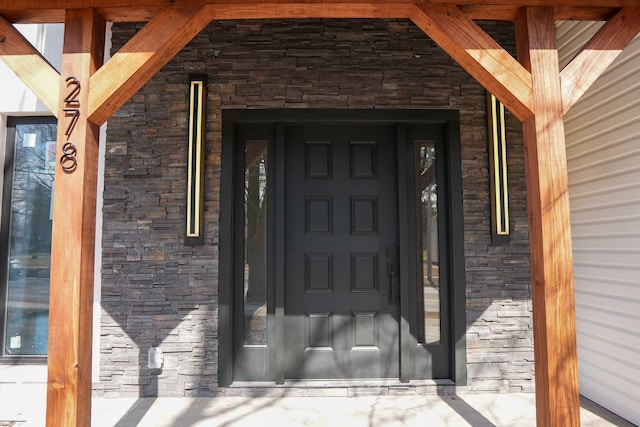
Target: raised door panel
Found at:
x=340, y=206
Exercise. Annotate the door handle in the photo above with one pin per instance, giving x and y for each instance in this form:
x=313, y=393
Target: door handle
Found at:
x=392, y=271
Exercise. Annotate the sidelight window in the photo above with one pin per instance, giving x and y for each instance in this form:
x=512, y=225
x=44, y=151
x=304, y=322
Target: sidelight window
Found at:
x=255, y=244
x=26, y=235
x=428, y=297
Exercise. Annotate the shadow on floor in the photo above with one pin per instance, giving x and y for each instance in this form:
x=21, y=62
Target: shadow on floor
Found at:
x=366, y=411
x=602, y=413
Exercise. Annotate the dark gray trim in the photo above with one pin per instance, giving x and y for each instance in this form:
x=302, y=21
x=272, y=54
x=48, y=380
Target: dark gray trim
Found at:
x=225, y=276
x=382, y=116
x=9, y=156
x=457, y=263
x=279, y=251
x=406, y=309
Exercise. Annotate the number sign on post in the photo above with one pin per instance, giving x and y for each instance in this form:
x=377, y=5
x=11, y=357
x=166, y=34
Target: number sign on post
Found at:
x=68, y=160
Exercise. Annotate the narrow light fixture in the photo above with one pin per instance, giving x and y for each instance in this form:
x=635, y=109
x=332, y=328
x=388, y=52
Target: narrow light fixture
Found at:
x=498, y=171
x=195, y=162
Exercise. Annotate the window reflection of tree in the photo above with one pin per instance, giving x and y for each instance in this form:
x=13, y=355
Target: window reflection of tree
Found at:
x=32, y=191
x=428, y=297
x=33, y=166
x=255, y=243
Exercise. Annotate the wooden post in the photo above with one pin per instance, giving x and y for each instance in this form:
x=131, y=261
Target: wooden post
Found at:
x=73, y=234
x=554, y=325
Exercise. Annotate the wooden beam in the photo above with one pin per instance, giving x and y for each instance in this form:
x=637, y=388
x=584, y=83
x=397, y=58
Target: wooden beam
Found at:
x=28, y=64
x=554, y=324
x=40, y=11
x=73, y=234
x=479, y=54
x=598, y=54
x=298, y=10
x=142, y=57
x=563, y=13
x=577, y=13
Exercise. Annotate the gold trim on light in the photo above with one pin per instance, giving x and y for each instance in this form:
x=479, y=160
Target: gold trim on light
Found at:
x=498, y=167
x=195, y=164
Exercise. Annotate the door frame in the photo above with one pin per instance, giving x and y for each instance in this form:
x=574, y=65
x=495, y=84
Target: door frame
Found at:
x=454, y=235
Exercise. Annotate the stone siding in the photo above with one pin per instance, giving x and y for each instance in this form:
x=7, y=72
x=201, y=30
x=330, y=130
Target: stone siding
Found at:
x=158, y=292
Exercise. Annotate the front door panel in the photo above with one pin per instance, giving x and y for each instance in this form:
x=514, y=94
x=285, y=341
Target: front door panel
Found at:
x=341, y=251
x=341, y=246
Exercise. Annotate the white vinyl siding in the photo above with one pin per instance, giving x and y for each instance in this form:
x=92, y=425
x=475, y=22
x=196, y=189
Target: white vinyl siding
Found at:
x=603, y=152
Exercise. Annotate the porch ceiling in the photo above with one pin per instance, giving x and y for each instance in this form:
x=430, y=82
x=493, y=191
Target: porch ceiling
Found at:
x=50, y=11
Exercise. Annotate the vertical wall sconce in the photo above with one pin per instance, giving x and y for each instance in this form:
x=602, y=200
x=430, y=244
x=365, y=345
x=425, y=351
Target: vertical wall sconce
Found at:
x=195, y=162
x=498, y=171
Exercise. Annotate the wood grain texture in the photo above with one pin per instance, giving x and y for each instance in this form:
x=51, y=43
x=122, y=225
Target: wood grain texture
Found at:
x=28, y=64
x=554, y=328
x=144, y=55
x=480, y=55
x=370, y=9
x=73, y=234
x=39, y=11
x=562, y=13
x=598, y=54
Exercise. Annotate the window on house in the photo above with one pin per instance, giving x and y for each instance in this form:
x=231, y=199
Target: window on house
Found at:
x=427, y=223
x=25, y=243
x=255, y=244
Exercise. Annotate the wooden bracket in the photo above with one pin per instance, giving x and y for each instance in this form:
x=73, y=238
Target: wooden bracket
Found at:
x=34, y=70
x=598, y=54
x=479, y=54
x=142, y=57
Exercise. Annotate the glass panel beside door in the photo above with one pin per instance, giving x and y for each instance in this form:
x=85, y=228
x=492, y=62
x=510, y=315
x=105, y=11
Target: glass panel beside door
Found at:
x=255, y=244
x=30, y=161
x=428, y=296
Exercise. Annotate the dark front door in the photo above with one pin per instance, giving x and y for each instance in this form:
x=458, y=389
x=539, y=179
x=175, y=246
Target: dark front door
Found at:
x=341, y=246
x=341, y=249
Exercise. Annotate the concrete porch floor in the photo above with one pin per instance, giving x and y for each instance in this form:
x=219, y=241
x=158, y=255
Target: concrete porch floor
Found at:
x=477, y=410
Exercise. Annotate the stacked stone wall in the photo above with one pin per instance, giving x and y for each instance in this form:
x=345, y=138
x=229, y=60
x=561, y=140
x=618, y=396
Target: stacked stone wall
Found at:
x=158, y=292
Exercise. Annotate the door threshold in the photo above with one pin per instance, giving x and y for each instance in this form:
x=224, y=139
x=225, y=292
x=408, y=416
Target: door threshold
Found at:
x=357, y=383
x=341, y=388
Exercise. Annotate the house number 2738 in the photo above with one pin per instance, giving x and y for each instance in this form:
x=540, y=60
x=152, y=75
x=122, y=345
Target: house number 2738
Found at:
x=68, y=160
